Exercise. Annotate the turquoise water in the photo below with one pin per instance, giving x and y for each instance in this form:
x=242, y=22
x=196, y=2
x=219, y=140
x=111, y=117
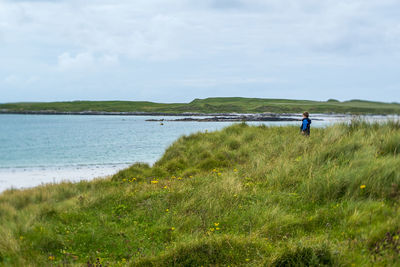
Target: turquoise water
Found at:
x=61, y=140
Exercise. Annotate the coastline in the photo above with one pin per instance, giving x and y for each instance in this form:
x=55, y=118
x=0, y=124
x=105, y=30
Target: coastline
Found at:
x=23, y=178
x=238, y=118
x=181, y=114
x=207, y=117
x=230, y=116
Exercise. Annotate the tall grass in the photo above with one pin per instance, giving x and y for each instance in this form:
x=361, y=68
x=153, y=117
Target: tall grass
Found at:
x=241, y=196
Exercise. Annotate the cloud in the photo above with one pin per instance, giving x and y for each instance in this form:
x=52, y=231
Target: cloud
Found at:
x=15, y=80
x=164, y=44
x=84, y=61
x=12, y=79
x=223, y=81
x=79, y=62
x=159, y=30
x=226, y=3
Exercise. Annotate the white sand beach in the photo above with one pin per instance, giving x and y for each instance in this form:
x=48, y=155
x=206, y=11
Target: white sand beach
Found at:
x=19, y=178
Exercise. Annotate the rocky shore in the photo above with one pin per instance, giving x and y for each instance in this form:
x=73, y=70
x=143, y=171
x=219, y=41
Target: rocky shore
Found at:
x=237, y=118
x=186, y=116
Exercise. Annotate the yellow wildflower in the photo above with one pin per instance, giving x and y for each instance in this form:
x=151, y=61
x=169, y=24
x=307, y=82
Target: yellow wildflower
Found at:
x=219, y=174
x=154, y=182
x=165, y=187
x=21, y=237
x=216, y=224
x=217, y=228
x=52, y=258
x=247, y=260
x=172, y=228
x=167, y=210
x=190, y=176
x=362, y=186
x=235, y=170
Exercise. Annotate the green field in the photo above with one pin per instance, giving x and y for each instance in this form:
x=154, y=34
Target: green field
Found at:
x=242, y=196
x=214, y=105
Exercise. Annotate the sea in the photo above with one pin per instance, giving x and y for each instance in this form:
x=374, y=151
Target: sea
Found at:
x=41, y=149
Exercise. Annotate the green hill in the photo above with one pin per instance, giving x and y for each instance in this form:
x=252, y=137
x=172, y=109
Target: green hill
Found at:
x=213, y=105
x=244, y=195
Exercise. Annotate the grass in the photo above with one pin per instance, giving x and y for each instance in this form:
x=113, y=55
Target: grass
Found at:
x=214, y=105
x=242, y=196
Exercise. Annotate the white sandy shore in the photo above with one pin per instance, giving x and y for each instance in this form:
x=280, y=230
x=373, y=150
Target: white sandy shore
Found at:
x=29, y=177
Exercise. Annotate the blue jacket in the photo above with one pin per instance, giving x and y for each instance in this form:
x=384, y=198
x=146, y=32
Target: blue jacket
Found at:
x=305, y=125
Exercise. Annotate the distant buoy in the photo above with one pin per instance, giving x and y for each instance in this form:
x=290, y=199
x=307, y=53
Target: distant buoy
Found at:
x=161, y=123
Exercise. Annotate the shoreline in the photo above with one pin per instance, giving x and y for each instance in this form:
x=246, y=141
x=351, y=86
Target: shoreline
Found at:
x=25, y=178
x=183, y=114
x=233, y=119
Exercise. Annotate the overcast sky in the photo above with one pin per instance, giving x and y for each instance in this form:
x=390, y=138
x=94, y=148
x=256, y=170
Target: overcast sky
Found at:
x=178, y=50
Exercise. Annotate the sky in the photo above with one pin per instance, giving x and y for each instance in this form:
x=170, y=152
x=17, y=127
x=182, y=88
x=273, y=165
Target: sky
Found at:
x=179, y=50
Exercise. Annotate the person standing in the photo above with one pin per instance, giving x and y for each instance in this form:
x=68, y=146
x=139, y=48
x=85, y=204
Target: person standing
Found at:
x=305, y=124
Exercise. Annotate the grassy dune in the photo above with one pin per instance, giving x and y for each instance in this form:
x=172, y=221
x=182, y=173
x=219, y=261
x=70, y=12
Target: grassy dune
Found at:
x=241, y=196
x=214, y=105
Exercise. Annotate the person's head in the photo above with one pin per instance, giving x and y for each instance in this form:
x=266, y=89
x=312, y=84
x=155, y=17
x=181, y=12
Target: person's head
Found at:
x=306, y=114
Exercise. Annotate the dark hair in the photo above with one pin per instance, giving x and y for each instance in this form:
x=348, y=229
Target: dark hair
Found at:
x=306, y=114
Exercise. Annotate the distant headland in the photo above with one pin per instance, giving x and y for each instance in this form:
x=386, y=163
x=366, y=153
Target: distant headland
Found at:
x=218, y=106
